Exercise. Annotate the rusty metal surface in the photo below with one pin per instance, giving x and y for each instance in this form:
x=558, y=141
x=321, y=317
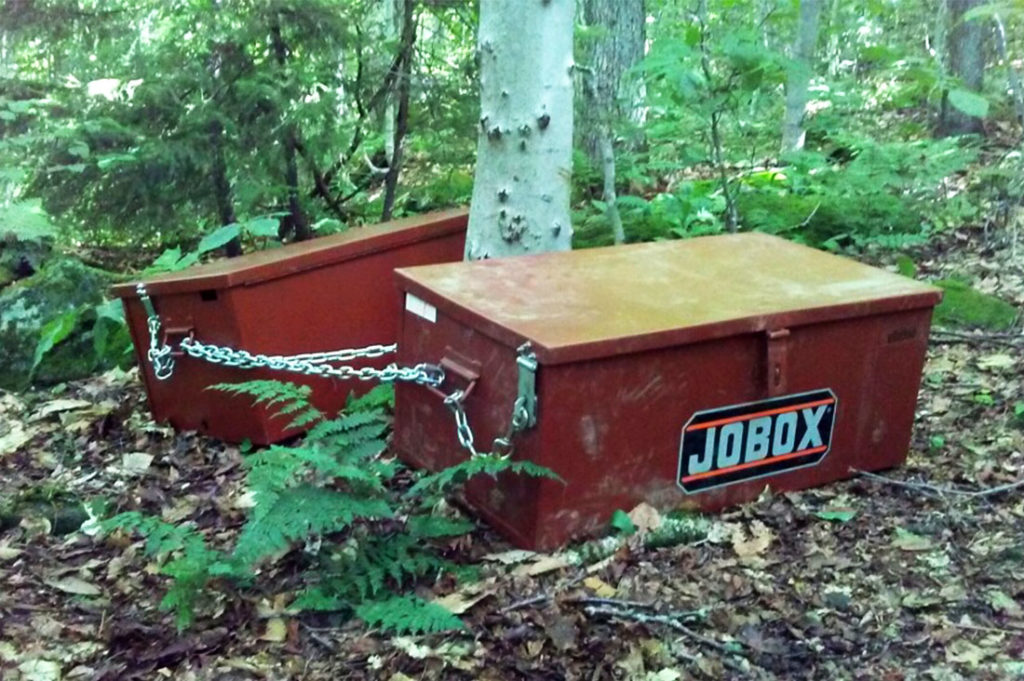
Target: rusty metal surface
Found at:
x=611, y=424
x=298, y=257
x=349, y=302
x=588, y=304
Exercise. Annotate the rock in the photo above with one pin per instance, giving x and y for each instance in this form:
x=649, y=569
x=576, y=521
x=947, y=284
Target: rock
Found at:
x=27, y=305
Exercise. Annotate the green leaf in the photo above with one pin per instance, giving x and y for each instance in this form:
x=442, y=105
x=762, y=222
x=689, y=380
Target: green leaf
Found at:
x=622, y=522
x=906, y=266
x=218, y=238
x=969, y=102
x=262, y=227
x=53, y=333
x=840, y=515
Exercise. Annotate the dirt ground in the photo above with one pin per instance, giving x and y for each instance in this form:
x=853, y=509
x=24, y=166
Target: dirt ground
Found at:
x=917, y=574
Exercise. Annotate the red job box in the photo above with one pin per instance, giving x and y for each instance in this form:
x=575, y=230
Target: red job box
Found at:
x=330, y=293
x=684, y=374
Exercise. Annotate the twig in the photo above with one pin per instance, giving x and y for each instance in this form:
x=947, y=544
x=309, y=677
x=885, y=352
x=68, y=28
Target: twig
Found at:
x=316, y=636
x=525, y=603
x=676, y=625
x=942, y=491
x=1012, y=340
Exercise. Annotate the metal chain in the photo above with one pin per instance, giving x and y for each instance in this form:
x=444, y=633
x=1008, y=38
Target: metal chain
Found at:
x=424, y=374
x=309, y=364
x=502, y=446
x=159, y=355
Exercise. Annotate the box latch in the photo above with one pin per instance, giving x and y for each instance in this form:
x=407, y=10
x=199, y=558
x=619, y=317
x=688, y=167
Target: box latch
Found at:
x=777, y=366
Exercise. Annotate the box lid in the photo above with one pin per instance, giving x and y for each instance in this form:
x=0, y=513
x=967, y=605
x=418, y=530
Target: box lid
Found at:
x=607, y=301
x=298, y=257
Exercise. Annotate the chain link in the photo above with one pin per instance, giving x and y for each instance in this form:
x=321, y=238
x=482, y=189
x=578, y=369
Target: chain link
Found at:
x=159, y=355
x=309, y=364
x=502, y=446
x=317, y=364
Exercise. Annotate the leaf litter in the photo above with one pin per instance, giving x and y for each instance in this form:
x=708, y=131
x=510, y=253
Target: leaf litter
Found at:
x=913, y=574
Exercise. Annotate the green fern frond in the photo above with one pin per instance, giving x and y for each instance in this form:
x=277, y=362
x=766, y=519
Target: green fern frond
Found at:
x=379, y=398
x=288, y=398
x=320, y=599
x=298, y=512
x=408, y=614
x=485, y=464
x=433, y=526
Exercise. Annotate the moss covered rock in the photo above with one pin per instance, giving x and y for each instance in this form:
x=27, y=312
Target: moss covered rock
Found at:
x=963, y=305
x=27, y=305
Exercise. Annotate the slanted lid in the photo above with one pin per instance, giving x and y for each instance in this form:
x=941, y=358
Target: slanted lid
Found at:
x=621, y=299
x=299, y=257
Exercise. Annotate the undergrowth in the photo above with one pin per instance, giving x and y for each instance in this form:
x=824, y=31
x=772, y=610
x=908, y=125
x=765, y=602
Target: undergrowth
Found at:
x=363, y=544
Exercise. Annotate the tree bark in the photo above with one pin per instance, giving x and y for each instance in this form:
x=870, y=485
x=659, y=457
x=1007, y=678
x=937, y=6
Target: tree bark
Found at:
x=966, y=45
x=401, y=120
x=610, y=94
x=1012, y=74
x=295, y=223
x=800, y=72
x=524, y=152
x=222, y=187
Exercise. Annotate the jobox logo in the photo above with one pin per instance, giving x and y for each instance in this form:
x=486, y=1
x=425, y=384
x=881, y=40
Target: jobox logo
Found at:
x=747, y=441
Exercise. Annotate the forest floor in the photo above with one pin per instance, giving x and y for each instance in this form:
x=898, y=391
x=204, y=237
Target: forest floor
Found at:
x=918, y=574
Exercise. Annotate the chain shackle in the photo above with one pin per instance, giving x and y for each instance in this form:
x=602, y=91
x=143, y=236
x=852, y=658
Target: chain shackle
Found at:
x=159, y=354
x=524, y=409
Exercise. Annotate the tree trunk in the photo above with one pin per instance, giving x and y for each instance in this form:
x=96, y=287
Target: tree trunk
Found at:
x=524, y=151
x=1013, y=75
x=401, y=120
x=295, y=223
x=222, y=187
x=608, y=57
x=966, y=62
x=800, y=76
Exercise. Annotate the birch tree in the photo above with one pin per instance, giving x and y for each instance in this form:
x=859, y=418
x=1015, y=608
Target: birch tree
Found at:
x=793, y=133
x=521, y=186
x=618, y=47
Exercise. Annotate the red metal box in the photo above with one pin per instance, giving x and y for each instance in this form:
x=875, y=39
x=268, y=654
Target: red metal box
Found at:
x=329, y=293
x=684, y=374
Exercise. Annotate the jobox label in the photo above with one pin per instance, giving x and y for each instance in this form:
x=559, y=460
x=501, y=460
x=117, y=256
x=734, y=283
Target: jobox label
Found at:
x=742, y=442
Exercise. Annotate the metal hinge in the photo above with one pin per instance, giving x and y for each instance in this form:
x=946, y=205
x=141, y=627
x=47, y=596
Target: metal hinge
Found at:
x=525, y=411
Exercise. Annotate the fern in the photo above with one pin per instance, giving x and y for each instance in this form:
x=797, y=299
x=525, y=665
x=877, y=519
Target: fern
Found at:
x=410, y=614
x=281, y=518
x=192, y=568
x=332, y=485
x=284, y=398
x=487, y=464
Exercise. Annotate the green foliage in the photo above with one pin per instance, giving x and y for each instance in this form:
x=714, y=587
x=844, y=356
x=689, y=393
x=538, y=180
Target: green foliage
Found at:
x=963, y=305
x=189, y=561
x=403, y=614
x=329, y=494
x=491, y=465
x=285, y=399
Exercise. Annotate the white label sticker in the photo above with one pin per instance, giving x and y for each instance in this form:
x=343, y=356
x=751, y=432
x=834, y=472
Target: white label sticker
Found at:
x=420, y=307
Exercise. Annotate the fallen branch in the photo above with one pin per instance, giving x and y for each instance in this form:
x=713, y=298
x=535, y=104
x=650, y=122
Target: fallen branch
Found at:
x=675, y=625
x=948, y=336
x=941, y=491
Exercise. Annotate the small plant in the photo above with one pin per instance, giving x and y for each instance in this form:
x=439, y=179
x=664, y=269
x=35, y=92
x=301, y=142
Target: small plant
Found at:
x=364, y=544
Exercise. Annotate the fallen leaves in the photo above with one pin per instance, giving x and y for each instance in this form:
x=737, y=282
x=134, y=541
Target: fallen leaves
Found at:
x=908, y=541
x=759, y=540
x=461, y=601
x=74, y=585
